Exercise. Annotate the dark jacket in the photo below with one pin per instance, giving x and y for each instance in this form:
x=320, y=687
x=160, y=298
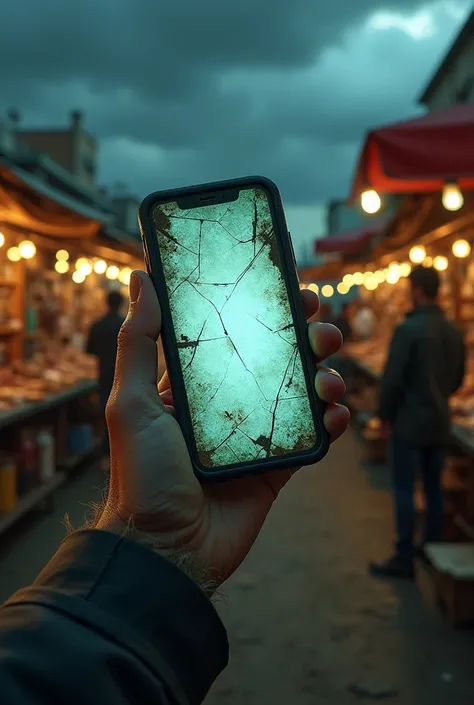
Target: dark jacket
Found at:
x=425, y=367
x=102, y=343
x=109, y=621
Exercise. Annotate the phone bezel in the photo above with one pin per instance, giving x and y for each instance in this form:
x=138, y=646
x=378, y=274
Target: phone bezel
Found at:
x=289, y=272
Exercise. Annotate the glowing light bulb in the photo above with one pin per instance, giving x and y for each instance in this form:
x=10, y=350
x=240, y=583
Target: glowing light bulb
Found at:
x=2, y=239
x=367, y=276
x=314, y=288
x=112, y=272
x=62, y=255
x=27, y=249
x=342, y=288
x=461, y=249
x=86, y=269
x=358, y=278
x=348, y=280
x=417, y=254
x=440, y=263
x=125, y=275
x=452, y=198
x=371, y=283
x=380, y=276
x=428, y=262
x=395, y=270
x=370, y=201
x=405, y=269
x=100, y=267
x=393, y=276
x=327, y=291
x=61, y=266
x=14, y=254
x=81, y=262
x=78, y=277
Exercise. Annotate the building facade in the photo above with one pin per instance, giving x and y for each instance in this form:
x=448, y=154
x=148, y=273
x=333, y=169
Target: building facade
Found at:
x=453, y=80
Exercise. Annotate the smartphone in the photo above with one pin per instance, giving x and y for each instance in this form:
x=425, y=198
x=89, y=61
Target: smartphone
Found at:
x=234, y=330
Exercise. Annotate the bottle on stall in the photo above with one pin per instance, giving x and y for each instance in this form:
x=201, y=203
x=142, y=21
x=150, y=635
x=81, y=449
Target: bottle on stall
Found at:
x=8, y=485
x=28, y=465
x=46, y=454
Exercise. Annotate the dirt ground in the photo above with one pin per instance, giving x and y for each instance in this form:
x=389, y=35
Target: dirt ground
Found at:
x=306, y=624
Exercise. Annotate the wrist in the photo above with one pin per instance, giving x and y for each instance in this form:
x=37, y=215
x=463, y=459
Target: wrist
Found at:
x=183, y=559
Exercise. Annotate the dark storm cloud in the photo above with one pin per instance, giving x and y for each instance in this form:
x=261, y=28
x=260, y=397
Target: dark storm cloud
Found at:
x=185, y=91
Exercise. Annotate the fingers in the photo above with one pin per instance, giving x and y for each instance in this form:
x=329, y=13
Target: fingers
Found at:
x=310, y=302
x=137, y=355
x=325, y=339
x=336, y=420
x=330, y=386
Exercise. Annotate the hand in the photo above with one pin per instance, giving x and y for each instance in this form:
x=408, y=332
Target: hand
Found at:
x=152, y=482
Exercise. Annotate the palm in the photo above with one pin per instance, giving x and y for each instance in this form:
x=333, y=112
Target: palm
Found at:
x=217, y=522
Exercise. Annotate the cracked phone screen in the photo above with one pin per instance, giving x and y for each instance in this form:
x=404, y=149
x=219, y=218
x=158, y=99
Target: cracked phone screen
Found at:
x=235, y=334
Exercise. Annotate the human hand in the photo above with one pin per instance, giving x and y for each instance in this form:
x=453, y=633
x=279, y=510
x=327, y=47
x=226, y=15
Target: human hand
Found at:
x=152, y=483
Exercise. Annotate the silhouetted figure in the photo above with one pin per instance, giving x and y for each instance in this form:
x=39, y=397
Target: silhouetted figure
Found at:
x=424, y=368
x=102, y=343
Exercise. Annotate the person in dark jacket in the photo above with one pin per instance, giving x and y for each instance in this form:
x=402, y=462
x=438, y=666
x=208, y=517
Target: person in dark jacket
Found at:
x=122, y=613
x=425, y=367
x=102, y=343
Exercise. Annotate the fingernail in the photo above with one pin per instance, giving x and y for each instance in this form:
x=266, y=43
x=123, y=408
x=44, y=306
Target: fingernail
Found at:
x=135, y=287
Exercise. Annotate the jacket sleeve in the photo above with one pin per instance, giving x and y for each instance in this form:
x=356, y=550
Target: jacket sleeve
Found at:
x=109, y=621
x=392, y=387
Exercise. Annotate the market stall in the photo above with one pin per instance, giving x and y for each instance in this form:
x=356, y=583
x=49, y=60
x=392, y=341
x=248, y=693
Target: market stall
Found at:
x=54, y=273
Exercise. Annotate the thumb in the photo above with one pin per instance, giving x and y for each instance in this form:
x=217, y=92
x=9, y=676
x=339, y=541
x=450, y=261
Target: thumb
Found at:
x=137, y=353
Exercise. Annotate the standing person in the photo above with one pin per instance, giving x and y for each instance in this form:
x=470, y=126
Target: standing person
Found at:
x=424, y=368
x=343, y=322
x=102, y=343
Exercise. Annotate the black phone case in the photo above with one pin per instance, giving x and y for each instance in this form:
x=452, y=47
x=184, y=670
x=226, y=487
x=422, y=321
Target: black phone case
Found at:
x=155, y=270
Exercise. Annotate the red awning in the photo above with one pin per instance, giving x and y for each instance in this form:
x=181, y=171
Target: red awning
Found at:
x=420, y=155
x=349, y=242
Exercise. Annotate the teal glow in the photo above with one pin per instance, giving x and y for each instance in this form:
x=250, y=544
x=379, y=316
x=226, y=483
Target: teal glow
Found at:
x=237, y=345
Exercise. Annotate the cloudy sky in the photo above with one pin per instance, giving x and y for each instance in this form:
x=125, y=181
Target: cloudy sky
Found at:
x=185, y=91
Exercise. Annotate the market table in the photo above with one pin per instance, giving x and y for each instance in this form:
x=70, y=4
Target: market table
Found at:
x=40, y=495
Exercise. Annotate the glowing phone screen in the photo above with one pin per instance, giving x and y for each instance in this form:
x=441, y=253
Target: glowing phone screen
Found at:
x=238, y=351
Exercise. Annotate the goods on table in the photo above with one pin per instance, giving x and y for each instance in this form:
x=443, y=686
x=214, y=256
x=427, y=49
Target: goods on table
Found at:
x=49, y=372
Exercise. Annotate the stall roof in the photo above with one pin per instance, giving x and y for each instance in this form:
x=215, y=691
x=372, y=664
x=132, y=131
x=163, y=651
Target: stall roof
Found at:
x=73, y=204
x=419, y=155
x=349, y=242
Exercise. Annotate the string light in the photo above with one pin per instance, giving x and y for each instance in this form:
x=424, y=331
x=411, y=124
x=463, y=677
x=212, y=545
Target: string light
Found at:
x=428, y=262
x=125, y=275
x=452, y=198
x=100, y=267
x=370, y=201
x=461, y=249
x=62, y=255
x=371, y=283
x=417, y=254
x=342, y=288
x=327, y=291
x=348, y=280
x=2, y=239
x=27, y=249
x=314, y=288
x=358, y=278
x=14, y=254
x=405, y=269
x=61, y=266
x=81, y=262
x=78, y=277
x=380, y=276
x=440, y=263
x=112, y=272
